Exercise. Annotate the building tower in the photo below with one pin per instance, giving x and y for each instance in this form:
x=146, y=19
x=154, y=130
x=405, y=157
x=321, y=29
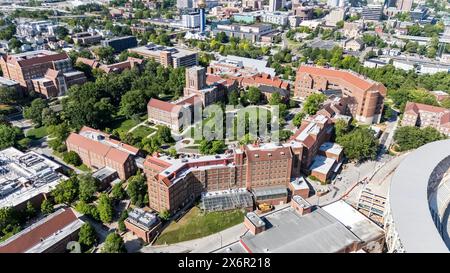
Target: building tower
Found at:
x=404, y=5
x=275, y=5
x=201, y=7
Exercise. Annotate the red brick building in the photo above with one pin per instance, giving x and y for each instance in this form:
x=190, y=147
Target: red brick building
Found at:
x=49, y=235
x=143, y=224
x=174, y=182
x=423, y=115
x=129, y=63
x=368, y=96
x=98, y=150
x=38, y=65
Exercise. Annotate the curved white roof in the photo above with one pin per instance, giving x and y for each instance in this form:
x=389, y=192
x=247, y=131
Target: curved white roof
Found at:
x=408, y=197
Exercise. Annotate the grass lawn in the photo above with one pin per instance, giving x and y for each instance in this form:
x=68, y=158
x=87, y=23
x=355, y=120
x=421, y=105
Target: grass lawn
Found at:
x=142, y=131
x=84, y=168
x=37, y=133
x=196, y=224
x=123, y=125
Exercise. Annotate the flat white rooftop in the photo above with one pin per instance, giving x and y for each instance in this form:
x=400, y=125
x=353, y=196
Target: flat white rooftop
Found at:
x=322, y=164
x=25, y=175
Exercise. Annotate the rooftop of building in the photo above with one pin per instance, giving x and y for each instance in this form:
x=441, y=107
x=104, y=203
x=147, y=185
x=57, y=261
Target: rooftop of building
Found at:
x=101, y=143
x=25, y=175
x=142, y=218
x=35, y=57
x=176, y=52
x=415, y=108
x=163, y=105
x=259, y=65
x=299, y=183
x=356, y=222
x=43, y=234
x=120, y=38
x=322, y=164
x=309, y=129
x=331, y=147
x=104, y=172
x=287, y=231
x=174, y=169
x=350, y=77
x=7, y=82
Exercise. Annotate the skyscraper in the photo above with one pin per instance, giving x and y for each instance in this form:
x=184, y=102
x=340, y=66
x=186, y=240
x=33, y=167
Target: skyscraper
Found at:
x=404, y=5
x=201, y=7
x=275, y=5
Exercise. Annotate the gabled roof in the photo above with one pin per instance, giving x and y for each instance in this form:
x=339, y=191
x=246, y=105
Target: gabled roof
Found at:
x=38, y=232
x=40, y=59
x=349, y=77
x=162, y=105
x=415, y=108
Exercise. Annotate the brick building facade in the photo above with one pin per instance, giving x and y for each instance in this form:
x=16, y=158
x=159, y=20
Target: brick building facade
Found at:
x=368, y=96
x=423, y=115
x=97, y=150
x=36, y=68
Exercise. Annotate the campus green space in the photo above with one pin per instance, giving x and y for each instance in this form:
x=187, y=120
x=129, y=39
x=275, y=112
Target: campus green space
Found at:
x=37, y=133
x=196, y=224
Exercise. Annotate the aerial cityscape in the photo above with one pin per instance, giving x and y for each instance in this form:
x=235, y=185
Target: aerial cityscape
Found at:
x=224, y=126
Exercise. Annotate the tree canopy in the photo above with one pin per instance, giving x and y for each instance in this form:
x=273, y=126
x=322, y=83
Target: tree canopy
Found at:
x=410, y=137
x=114, y=244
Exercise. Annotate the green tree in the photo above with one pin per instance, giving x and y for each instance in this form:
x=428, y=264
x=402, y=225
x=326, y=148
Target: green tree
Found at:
x=164, y=215
x=66, y=191
x=360, y=144
x=118, y=192
x=8, y=221
x=8, y=95
x=88, y=209
x=172, y=152
x=410, y=137
x=72, y=158
x=49, y=117
x=61, y=32
x=446, y=103
x=105, y=208
x=313, y=102
x=30, y=210
x=8, y=136
x=341, y=128
x=46, y=207
x=164, y=135
x=137, y=189
x=105, y=54
x=114, y=244
x=298, y=118
x=132, y=103
x=123, y=216
x=87, y=236
x=275, y=99
x=34, y=111
x=87, y=187
x=233, y=97
x=254, y=95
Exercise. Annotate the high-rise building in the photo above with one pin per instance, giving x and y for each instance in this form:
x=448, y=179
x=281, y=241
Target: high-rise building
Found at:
x=404, y=5
x=367, y=95
x=275, y=5
x=201, y=6
x=372, y=12
x=336, y=3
